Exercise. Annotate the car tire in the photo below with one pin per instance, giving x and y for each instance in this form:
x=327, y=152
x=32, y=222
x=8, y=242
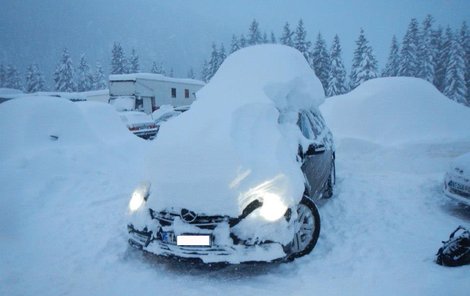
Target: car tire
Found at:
x=330, y=183
x=307, y=230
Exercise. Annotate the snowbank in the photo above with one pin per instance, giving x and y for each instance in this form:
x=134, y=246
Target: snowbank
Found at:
x=33, y=123
x=231, y=141
x=399, y=110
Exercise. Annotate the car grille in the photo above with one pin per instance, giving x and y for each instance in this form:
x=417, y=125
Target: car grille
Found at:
x=166, y=218
x=459, y=189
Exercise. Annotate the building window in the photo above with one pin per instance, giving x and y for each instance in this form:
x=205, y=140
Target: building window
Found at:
x=173, y=92
x=186, y=93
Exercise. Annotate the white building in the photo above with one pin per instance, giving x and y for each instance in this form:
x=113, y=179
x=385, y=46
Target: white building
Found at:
x=150, y=91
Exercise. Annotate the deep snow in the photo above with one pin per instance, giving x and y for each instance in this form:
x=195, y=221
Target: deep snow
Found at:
x=64, y=212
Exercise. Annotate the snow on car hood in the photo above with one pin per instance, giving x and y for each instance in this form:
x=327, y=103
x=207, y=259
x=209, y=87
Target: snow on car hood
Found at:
x=461, y=165
x=240, y=139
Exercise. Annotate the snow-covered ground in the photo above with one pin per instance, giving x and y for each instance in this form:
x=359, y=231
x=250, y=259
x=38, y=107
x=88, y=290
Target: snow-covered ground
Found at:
x=63, y=204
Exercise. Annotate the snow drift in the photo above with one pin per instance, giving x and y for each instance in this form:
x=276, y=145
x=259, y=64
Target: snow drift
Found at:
x=240, y=133
x=398, y=110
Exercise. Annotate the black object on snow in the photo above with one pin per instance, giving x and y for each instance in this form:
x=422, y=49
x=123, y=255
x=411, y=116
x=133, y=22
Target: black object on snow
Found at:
x=455, y=251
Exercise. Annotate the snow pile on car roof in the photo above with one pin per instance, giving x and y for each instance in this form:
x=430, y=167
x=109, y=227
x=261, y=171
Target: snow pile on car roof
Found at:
x=398, y=110
x=33, y=123
x=233, y=138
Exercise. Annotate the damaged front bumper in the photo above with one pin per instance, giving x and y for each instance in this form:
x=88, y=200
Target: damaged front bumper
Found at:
x=161, y=238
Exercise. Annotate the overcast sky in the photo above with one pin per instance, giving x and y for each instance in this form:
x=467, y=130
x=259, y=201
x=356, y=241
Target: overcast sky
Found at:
x=180, y=32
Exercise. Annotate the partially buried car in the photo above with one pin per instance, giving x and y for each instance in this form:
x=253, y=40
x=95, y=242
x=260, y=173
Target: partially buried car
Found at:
x=457, y=180
x=235, y=179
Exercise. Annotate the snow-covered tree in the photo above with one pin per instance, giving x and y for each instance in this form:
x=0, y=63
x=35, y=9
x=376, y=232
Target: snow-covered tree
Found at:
x=171, y=74
x=64, y=76
x=2, y=75
x=337, y=76
x=12, y=78
x=464, y=39
x=286, y=37
x=234, y=45
x=425, y=54
x=34, y=79
x=205, y=73
x=242, y=42
x=264, y=39
x=320, y=60
x=273, y=38
x=222, y=55
x=300, y=40
x=157, y=68
x=455, y=87
x=393, y=62
x=442, y=57
x=214, y=62
x=99, y=80
x=84, y=76
x=191, y=74
x=409, y=51
x=364, y=65
x=118, y=60
x=254, y=34
x=134, y=65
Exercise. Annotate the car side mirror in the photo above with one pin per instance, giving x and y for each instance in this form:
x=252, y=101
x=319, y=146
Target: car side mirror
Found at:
x=314, y=149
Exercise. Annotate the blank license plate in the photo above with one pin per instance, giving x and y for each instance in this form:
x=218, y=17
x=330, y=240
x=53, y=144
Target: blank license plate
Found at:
x=193, y=240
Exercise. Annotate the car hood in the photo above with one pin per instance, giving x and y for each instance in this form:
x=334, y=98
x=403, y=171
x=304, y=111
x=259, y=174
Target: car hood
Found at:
x=460, y=166
x=239, y=140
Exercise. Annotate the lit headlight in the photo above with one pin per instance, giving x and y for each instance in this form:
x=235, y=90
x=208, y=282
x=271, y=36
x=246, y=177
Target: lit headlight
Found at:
x=273, y=207
x=139, y=196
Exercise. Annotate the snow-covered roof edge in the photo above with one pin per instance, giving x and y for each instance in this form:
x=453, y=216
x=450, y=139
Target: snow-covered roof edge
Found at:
x=152, y=76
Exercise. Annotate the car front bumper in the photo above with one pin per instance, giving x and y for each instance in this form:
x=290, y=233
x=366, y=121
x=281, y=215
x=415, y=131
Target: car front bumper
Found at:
x=457, y=189
x=227, y=253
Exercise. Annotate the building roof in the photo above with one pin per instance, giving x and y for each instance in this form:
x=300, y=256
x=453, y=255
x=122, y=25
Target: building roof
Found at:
x=151, y=76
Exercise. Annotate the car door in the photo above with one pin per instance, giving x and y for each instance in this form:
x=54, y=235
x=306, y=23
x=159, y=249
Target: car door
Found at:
x=316, y=163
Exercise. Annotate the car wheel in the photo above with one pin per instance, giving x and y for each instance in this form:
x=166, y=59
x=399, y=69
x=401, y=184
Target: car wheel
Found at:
x=330, y=183
x=307, y=230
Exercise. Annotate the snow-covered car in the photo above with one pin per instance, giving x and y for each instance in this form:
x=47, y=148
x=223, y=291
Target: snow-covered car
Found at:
x=139, y=123
x=240, y=184
x=457, y=180
x=165, y=113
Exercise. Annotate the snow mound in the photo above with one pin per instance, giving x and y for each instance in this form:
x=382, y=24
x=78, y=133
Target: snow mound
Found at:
x=33, y=123
x=395, y=111
x=237, y=135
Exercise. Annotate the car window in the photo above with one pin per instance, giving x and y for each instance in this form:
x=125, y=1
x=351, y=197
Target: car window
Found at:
x=305, y=126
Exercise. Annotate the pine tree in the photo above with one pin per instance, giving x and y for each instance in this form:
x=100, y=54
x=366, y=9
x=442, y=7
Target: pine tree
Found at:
x=64, y=76
x=265, y=38
x=320, y=60
x=191, y=73
x=300, y=40
x=214, y=62
x=425, y=54
x=2, y=75
x=455, y=87
x=134, y=65
x=393, y=63
x=158, y=68
x=12, y=78
x=222, y=55
x=286, y=37
x=205, y=73
x=85, y=78
x=442, y=60
x=118, y=60
x=337, y=75
x=34, y=79
x=234, y=46
x=254, y=35
x=242, y=41
x=464, y=39
x=364, y=65
x=409, y=51
x=273, y=38
x=99, y=80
